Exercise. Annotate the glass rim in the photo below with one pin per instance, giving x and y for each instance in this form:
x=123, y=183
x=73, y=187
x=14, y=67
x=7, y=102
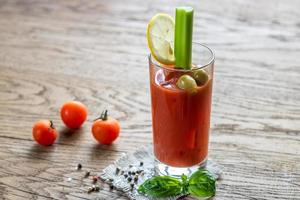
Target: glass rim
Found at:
x=157, y=64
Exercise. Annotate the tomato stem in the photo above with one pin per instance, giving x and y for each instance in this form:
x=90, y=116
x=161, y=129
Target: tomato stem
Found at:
x=103, y=116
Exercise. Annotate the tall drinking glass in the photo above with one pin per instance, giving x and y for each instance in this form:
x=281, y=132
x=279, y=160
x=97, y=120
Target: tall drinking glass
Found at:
x=180, y=119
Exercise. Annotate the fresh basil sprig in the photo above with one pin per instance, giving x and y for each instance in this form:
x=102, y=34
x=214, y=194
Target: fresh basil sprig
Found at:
x=200, y=184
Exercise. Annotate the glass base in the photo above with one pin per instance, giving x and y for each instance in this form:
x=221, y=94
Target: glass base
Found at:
x=166, y=170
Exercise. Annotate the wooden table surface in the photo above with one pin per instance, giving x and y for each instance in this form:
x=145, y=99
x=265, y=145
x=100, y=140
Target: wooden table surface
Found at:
x=96, y=52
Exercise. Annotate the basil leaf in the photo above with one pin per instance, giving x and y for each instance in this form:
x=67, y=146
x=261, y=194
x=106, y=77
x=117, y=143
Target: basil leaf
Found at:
x=202, y=184
x=161, y=186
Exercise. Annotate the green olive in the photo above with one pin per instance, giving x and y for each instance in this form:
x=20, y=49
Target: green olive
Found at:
x=200, y=77
x=187, y=83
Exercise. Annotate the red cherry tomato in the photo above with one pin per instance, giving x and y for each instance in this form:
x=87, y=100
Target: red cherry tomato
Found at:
x=105, y=129
x=73, y=114
x=44, y=132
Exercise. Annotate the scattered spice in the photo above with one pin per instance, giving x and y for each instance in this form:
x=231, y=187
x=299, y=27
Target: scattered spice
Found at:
x=97, y=188
x=111, y=180
x=87, y=174
x=79, y=166
x=132, y=176
x=131, y=186
x=91, y=189
x=95, y=179
x=111, y=187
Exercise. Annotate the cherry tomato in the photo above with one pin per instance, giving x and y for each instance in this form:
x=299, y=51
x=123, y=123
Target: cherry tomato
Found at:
x=105, y=129
x=73, y=114
x=44, y=132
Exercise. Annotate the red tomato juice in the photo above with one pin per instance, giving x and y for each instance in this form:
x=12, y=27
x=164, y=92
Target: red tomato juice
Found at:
x=181, y=120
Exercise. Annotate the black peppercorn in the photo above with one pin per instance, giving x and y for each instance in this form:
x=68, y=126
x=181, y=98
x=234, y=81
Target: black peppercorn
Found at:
x=97, y=188
x=87, y=174
x=79, y=166
x=131, y=186
x=90, y=189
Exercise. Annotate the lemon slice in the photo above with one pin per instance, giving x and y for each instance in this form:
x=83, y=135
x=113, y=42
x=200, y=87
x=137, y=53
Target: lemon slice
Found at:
x=160, y=36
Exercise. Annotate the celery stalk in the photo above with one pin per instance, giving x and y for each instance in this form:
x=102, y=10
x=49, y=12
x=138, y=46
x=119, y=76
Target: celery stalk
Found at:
x=183, y=37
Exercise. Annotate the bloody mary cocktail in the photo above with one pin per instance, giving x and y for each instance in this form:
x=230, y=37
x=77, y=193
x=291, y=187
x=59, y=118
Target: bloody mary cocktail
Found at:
x=181, y=76
x=180, y=119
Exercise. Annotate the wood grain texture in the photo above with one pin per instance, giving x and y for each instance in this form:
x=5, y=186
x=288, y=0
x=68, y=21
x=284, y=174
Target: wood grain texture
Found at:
x=95, y=52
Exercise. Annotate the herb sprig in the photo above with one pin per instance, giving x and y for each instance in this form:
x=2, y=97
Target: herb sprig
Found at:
x=200, y=184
